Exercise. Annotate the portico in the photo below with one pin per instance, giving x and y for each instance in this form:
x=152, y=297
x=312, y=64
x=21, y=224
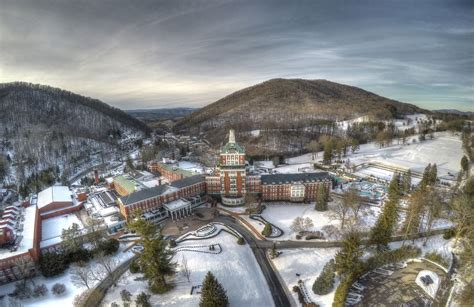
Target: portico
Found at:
x=178, y=209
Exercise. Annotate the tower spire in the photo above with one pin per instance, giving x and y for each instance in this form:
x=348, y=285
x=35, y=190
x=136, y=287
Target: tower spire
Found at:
x=231, y=136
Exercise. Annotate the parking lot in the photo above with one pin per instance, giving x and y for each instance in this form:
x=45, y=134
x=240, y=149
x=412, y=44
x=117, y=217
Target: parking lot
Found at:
x=399, y=287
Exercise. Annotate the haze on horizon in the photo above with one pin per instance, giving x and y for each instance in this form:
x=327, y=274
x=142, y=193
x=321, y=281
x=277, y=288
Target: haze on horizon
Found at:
x=152, y=54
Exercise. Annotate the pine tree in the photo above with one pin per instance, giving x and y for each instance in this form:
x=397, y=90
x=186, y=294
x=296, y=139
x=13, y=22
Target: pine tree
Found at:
x=212, y=293
x=425, y=180
x=407, y=182
x=464, y=163
x=321, y=199
x=387, y=220
x=348, y=258
x=433, y=174
x=325, y=281
x=327, y=155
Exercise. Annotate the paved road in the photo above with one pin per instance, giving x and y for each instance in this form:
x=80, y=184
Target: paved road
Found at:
x=276, y=288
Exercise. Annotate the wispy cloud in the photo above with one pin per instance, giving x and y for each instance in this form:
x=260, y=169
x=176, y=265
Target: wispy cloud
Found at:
x=191, y=53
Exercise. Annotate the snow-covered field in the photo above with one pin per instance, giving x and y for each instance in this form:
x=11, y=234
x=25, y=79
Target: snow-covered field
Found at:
x=282, y=215
x=308, y=263
x=434, y=243
x=445, y=150
x=65, y=299
x=235, y=268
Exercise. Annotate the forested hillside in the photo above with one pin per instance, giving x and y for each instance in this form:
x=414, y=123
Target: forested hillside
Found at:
x=45, y=128
x=285, y=111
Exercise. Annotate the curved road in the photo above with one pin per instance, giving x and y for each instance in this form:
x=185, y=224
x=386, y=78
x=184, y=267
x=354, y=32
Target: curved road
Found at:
x=276, y=288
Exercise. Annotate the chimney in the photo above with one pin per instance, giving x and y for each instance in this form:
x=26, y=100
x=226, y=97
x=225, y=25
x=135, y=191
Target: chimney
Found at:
x=96, y=176
x=231, y=136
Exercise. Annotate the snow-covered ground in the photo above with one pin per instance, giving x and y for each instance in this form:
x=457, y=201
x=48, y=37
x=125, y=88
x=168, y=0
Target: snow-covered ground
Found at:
x=65, y=299
x=235, y=268
x=434, y=244
x=294, y=168
x=282, y=215
x=308, y=263
x=445, y=150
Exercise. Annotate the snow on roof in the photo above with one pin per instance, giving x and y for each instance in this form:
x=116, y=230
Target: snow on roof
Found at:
x=108, y=211
x=54, y=194
x=52, y=228
x=177, y=204
x=27, y=234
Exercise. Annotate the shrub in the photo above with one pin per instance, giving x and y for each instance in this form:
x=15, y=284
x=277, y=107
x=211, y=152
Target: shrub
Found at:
x=143, y=300
x=300, y=294
x=343, y=289
x=114, y=304
x=80, y=255
x=126, y=295
x=391, y=256
x=267, y=230
x=109, y=247
x=435, y=257
x=22, y=291
x=52, y=264
x=449, y=234
x=240, y=241
x=58, y=289
x=40, y=290
x=134, y=267
x=325, y=281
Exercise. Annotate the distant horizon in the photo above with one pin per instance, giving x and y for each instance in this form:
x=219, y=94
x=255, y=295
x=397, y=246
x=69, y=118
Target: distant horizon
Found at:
x=167, y=54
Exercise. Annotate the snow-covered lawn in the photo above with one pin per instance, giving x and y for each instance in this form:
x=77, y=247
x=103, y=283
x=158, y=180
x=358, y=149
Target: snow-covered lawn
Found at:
x=445, y=150
x=235, y=268
x=282, y=215
x=308, y=263
x=65, y=299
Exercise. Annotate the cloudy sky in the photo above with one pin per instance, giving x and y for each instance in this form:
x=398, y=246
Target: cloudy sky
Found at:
x=151, y=54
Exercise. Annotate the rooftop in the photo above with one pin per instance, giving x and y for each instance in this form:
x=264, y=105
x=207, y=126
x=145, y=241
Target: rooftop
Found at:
x=24, y=236
x=125, y=183
x=54, y=194
x=175, y=169
x=188, y=181
x=146, y=194
x=296, y=177
x=177, y=204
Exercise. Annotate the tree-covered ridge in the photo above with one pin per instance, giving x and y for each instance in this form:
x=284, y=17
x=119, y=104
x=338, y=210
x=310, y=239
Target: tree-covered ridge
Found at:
x=54, y=107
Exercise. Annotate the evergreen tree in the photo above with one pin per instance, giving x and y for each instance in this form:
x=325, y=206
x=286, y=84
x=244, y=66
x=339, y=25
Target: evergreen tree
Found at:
x=327, y=155
x=156, y=259
x=143, y=300
x=212, y=293
x=425, y=180
x=464, y=163
x=407, y=182
x=322, y=199
x=433, y=174
x=387, y=220
x=325, y=281
x=411, y=224
x=348, y=258
x=267, y=230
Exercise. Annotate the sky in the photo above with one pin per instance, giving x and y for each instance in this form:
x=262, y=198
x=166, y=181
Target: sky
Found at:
x=157, y=54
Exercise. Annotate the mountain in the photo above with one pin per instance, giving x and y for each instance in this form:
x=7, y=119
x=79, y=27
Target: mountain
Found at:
x=454, y=111
x=48, y=128
x=152, y=115
x=289, y=104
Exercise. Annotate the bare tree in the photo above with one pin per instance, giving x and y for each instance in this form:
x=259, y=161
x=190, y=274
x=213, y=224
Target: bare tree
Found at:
x=186, y=270
x=82, y=276
x=107, y=266
x=26, y=268
x=340, y=212
x=301, y=224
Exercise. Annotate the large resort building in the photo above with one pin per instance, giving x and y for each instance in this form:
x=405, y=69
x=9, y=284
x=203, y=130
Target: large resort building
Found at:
x=229, y=184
